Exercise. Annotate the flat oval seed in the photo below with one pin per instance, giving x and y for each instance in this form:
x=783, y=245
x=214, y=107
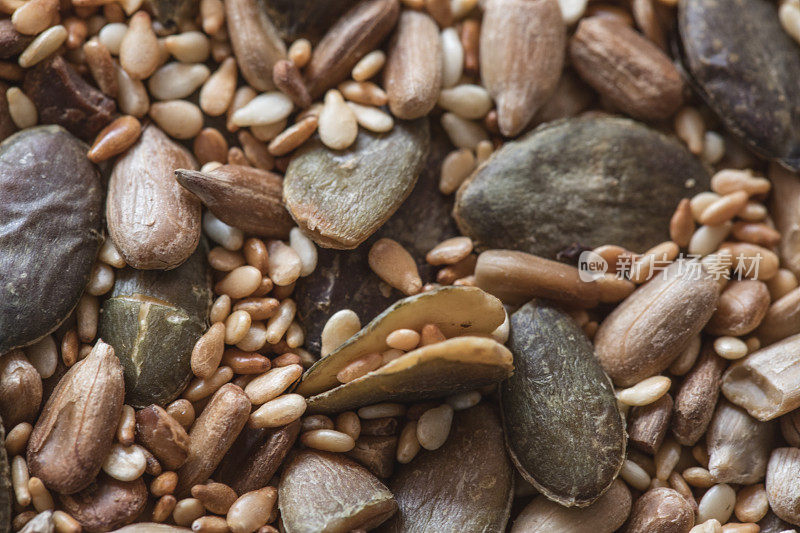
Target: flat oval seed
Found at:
x=188, y=47
x=724, y=209
x=139, y=51
x=284, y=263
x=371, y=118
x=305, y=249
x=463, y=133
x=718, y=503
x=266, y=108
x=403, y=339
x=340, y=326
x=272, y=384
x=452, y=57
x=111, y=36
x=101, y=279
x=381, y=410
x=252, y=510
x=115, y=139
x=21, y=108
x=43, y=355
x=177, y=80
x=125, y=463
x=433, y=426
x=730, y=348
x=240, y=282
x=395, y=265
x=634, y=475
x=278, y=412
x=42, y=46
x=178, y=118
x=328, y=440
x=207, y=351
x=236, y=326
x=369, y=65
x=450, y=251
x=467, y=101
x=645, y=392
x=359, y=367
x=218, y=91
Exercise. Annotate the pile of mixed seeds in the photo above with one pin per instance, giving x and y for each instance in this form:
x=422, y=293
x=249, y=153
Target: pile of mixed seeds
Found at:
x=406, y=265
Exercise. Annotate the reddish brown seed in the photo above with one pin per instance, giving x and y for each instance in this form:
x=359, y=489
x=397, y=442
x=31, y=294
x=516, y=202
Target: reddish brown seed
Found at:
x=115, y=138
x=256, y=151
x=470, y=39
x=242, y=362
x=101, y=66
x=289, y=81
x=76, y=32
x=681, y=226
x=440, y=11
x=210, y=145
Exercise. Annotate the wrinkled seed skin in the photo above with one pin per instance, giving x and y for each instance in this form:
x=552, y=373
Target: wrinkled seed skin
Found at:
x=343, y=280
x=321, y=491
x=593, y=181
x=256, y=456
x=560, y=399
x=41, y=202
x=742, y=306
x=340, y=198
x=141, y=191
x=746, y=67
x=76, y=428
x=153, y=319
x=466, y=485
x=651, y=327
x=661, y=510
x=107, y=503
x=376, y=453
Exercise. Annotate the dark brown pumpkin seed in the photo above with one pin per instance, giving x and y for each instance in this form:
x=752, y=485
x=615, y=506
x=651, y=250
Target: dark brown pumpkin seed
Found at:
x=49, y=193
x=560, y=399
x=593, y=181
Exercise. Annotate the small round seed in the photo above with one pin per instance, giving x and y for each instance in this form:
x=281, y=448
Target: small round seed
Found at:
x=452, y=57
x=177, y=80
x=200, y=388
x=125, y=463
x=299, y=52
x=349, y=423
x=210, y=524
x=634, y=475
x=305, y=249
x=240, y=282
x=20, y=481
x=463, y=133
x=187, y=511
x=690, y=128
x=220, y=309
x=266, y=108
x=407, y=444
x=255, y=339
x=463, y=400
x=216, y=497
x=188, y=47
x=178, y=118
x=183, y=411
x=698, y=477
x=278, y=412
x=708, y=238
x=252, y=510
x=645, y=392
x=729, y=180
x=164, y=484
x=467, y=101
x=433, y=427
x=101, y=279
x=371, y=118
x=164, y=507
x=724, y=209
x=369, y=65
x=43, y=355
x=17, y=438
x=365, y=92
x=64, y=523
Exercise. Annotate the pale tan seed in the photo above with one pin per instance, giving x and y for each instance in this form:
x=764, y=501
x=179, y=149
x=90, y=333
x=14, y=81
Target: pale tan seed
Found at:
x=126, y=430
x=178, y=118
x=241, y=97
x=278, y=412
x=359, y=367
x=730, y=348
x=267, y=132
x=701, y=201
x=698, y=477
x=139, y=50
x=284, y=263
x=709, y=526
x=240, y=282
x=188, y=47
x=111, y=35
x=467, y=101
x=110, y=255
x=236, y=327
x=164, y=507
x=42, y=46
x=338, y=127
x=43, y=355
x=177, y=80
x=225, y=260
x=279, y=323
x=101, y=279
x=212, y=14
x=69, y=348
x=407, y=444
x=381, y=410
x=463, y=133
x=64, y=523
x=340, y=326
x=371, y=118
x=753, y=212
x=634, y=475
x=40, y=496
x=452, y=57
x=87, y=314
x=294, y=136
x=724, y=209
x=708, y=238
x=645, y=392
x=349, y=424
x=200, y=388
x=187, y=511
x=210, y=524
x=306, y=250
x=272, y=384
x=729, y=180
x=431, y=334
x=666, y=458
x=252, y=510
x=255, y=339
x=456, y=167
x=125, y=463
x=21, y=108
x=691, y=129
x=328, y=440
x=751, y=503
x=17, y=438
x=218, y=91
x=394, y=265
x=207, y=351
x=369, y=65
x=266, y=108
x=133, y=98
x=654, y=260
x=20, y=480
x=781, y=284
x=403, y=339
x=717, y=503
x=300, y=52
x=365, y=92
x=294, y=337
x=433, y=427
x=34, y=16
x=463, y=400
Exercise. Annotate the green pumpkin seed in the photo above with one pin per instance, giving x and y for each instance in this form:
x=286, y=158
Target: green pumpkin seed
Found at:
x=153, y=319
x=340, y=198
x=455, y=310
x=562, y=426
x=51, y=201
x=465, y=485
x=593, y=181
